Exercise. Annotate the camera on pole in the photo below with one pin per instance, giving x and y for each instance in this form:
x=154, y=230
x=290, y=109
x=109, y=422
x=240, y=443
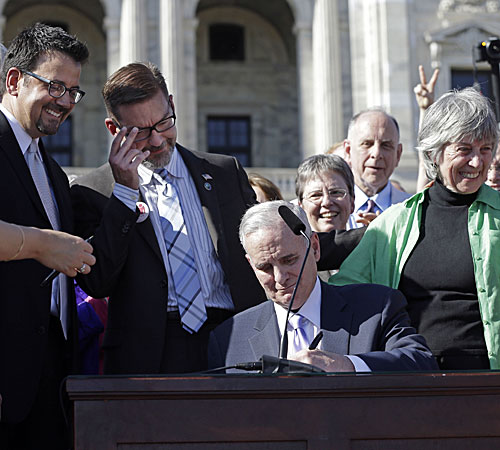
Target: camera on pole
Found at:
x=489, y=51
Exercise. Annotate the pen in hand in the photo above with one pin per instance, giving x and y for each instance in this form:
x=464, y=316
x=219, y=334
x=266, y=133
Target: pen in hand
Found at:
x=52, y=275
x=316, y=341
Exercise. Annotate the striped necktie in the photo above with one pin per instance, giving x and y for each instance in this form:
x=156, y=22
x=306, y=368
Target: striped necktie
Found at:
x=59, y=302
x=186, y=281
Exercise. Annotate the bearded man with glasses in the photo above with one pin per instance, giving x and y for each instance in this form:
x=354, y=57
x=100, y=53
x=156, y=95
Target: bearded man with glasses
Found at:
x=166, y=221
x=38, y=326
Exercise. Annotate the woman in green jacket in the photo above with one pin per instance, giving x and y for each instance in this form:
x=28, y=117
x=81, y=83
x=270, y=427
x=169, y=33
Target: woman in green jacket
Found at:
x=441, y=247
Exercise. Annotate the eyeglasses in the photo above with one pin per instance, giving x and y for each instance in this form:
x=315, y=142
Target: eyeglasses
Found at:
x=316, y=197
x=57, y=89
x=163, y=125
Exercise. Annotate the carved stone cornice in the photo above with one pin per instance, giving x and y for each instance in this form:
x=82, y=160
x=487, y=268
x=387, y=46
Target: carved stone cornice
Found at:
x=463, y=33
x=468, y=6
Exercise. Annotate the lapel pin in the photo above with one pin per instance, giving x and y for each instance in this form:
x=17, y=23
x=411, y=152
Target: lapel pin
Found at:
x=144, y=211
x=206, y=177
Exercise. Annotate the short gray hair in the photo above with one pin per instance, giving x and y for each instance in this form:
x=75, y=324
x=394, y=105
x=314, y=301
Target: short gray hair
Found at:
x=265, y=216
x=453, y=117
x=374, y=109
x=317, y=164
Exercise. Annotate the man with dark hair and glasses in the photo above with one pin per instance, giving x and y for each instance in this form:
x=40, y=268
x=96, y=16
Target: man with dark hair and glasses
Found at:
x=165, y=224
x=58, y=89
x=38, y=327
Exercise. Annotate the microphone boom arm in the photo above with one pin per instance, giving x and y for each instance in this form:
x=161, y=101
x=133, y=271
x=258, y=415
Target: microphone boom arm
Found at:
x=284, y=340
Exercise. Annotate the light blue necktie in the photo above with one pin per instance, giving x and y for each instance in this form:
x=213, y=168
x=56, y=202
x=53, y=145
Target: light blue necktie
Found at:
x=59, y=302
x=181, y=258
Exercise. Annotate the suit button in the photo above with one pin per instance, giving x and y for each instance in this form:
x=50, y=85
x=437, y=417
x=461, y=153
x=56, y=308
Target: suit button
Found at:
x=163, y=283
x=126, y=228
x=41, y=330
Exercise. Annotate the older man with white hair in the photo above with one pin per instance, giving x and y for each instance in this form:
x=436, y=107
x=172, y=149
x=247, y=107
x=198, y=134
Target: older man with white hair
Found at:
x=365, y=327
x=373, y=149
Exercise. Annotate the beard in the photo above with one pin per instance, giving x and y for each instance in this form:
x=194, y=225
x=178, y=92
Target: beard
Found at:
x=51, y=126
x=160, y=160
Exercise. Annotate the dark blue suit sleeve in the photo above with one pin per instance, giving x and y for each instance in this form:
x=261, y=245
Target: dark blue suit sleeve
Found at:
x=399, y=346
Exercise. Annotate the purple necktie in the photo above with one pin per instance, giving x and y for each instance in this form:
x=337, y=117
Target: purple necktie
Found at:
x=300, y=340
x=370, y=206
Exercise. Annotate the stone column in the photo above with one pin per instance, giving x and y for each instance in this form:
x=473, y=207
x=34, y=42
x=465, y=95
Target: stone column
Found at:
x=189, y=95
x=3, y=19
x=178, y=64
x=112, y=28
x=303, y=32
x=327, y=76
x=172, y=57
x=133, y=35
x=381, y=61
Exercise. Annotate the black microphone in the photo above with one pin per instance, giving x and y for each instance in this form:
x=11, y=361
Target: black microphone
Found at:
x=269, y=364
x=272, y=364
x=298, y=227
x=294, y=223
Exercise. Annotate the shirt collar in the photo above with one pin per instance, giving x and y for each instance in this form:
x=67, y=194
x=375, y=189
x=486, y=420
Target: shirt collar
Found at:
x=311, y=309
x=489, y=196
x=382, y=198
x=22, y=137
x=174, y=165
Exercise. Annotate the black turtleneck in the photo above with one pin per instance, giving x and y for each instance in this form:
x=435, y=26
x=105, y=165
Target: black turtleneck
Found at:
x=438, y=279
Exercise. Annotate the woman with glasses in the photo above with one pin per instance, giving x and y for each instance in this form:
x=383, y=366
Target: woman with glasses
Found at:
x=325, y=191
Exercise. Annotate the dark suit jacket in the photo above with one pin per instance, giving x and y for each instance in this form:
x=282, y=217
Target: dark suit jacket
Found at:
x=366, y=320
x=336, y=246
x=24, y=305
x=130, y=267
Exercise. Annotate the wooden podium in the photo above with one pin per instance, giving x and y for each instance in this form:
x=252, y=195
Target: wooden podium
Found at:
x=429, y=411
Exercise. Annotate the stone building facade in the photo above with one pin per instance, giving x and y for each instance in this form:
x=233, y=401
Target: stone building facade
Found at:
x=272, y=81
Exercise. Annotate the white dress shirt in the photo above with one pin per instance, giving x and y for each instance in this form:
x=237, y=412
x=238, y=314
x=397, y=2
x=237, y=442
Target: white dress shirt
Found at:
x=311, y=310
x=383, y=200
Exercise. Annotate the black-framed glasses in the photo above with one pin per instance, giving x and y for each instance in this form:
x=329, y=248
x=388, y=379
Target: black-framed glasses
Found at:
x=160, y=127
x=57, y=89
x=316, y=197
